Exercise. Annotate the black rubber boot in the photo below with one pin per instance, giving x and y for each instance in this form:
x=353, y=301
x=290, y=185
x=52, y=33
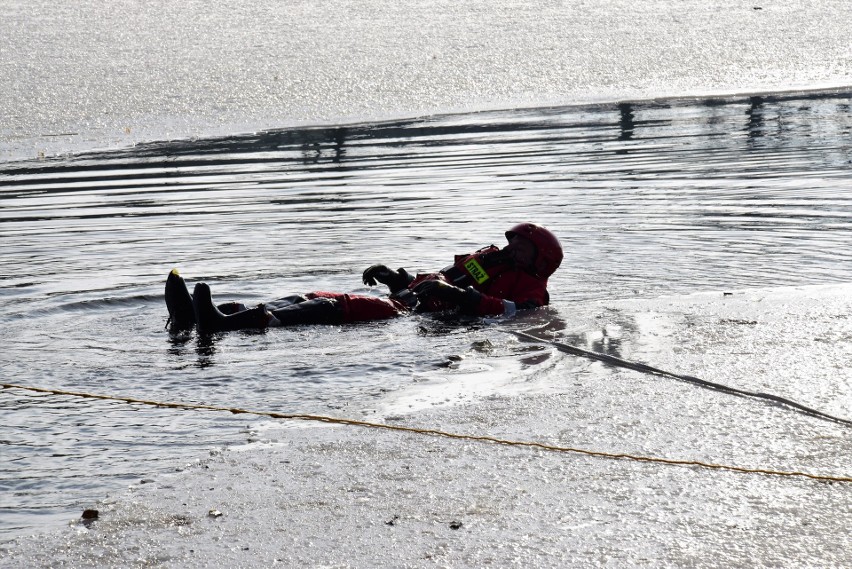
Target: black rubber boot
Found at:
x=314, y=311
x=209, y=319
x=179, y=303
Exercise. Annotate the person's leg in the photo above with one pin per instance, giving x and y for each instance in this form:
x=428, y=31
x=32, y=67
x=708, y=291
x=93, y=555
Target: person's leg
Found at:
x=308, y=311
x=180, y=306
x=334, y=308
x=362, y=308
x=208, y=318
x=231, y=307
x=313, y=308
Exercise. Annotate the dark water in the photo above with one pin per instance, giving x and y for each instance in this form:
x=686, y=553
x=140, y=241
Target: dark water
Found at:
x=650, y=198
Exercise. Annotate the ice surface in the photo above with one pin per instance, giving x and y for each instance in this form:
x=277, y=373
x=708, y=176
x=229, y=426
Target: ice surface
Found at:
x=78, y=75
x=337, y=496
x=83, y=74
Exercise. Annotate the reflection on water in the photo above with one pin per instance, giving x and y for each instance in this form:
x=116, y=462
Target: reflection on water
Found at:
x=649, y=198
x=625, y=122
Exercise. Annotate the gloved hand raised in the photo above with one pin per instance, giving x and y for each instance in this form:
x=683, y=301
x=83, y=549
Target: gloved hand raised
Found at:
x=395, y=280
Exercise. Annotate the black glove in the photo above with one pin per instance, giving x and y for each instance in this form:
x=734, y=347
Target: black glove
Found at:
x=395, y=280
x=467, y=299
x=499, y=257
x=442, y=291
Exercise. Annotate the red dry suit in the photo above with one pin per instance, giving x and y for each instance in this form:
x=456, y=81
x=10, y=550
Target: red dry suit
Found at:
x=494, y=287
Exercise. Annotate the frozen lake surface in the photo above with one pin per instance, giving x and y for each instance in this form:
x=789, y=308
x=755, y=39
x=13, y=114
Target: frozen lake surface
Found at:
x=337, y=496
x=78, y=74
x=650, y=200
x=663, y=200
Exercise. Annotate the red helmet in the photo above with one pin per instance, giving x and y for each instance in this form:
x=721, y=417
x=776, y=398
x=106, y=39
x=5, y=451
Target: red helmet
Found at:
x=548, y=250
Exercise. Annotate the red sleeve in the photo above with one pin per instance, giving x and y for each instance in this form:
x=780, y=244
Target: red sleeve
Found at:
x=490, y=306
x=522, y=289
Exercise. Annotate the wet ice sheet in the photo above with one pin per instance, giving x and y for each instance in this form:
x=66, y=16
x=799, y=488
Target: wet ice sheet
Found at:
x=344, y=496
x=78, y=74
x=651, y=198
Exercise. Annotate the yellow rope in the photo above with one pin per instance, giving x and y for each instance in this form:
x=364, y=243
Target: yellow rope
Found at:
x=435, y=432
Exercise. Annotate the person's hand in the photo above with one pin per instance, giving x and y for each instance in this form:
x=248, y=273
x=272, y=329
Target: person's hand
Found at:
x=442, y=291
x=395, y=280
x=378, y=273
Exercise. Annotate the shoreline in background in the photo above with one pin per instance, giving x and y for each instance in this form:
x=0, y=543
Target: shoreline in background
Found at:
x=80, y=75
x=720, y=98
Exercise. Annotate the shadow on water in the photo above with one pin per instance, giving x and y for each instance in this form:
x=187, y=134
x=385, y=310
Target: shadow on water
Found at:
x=203, y=347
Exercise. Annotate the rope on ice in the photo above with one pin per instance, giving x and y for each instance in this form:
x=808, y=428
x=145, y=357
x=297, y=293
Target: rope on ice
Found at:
x=437, y=433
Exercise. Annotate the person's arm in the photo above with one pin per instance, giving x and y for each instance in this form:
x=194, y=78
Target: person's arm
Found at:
x=471, y=301
x=526, y=294
x=492, y=305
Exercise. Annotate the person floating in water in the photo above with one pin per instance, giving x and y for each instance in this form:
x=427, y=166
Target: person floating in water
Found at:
x=489, y=282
